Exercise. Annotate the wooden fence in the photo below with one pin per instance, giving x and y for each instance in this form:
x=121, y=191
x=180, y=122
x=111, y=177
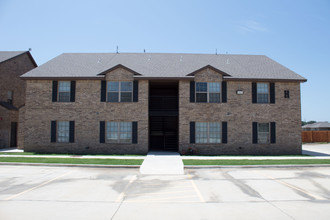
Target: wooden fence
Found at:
x=315, y=136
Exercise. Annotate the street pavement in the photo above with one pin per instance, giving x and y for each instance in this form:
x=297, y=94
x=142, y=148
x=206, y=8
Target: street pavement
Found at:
x=43, y=192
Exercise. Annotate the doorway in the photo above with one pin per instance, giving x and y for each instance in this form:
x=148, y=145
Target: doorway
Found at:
x=13, y=134
x=163, y=116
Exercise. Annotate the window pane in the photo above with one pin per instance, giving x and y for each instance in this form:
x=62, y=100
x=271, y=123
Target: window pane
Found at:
x=113, y=86
x=64, y=86
x=125, y=126
x=201, y=132
x=126, y=96
x=263, y=138
x=201, y=97
x=126, y=86
x=263, y=127
x=113, y=97
x=63, y=131
x=214, y=97
x=262, y=87
x=64, y=96
x=262, y=98
x=201, y=87
x=112, y=131
x=214, y=87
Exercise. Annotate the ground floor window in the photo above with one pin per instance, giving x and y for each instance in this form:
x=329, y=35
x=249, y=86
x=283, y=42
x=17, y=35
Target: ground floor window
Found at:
x=119, y=132
x=63, y=131
x=208, y=132
x=263, y=133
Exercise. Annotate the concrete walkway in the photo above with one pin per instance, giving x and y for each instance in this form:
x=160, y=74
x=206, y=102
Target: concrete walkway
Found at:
x=159, y=162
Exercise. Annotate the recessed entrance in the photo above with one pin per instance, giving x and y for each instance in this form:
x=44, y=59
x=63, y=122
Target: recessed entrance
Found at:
x=163, y=116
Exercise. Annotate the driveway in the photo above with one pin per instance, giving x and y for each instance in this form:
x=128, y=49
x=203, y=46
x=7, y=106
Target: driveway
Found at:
x=43, y=192
x=316, y=149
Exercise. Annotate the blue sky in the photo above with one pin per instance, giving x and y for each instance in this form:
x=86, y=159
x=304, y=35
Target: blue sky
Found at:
x=295, y=33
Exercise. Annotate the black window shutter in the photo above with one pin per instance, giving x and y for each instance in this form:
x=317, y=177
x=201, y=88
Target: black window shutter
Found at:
x=272, y=92
x=254, y=92
x=53, y=132
x=192, y=91
x=73, y=91
x=192, y=132
x=224, y=132
x=135, y=91
x=54, y=95
x=273, y=132
x=71, y=132
x=255, y=132
x=134, y=132
x=224, y=91
x=103, y=90
x=102, y=131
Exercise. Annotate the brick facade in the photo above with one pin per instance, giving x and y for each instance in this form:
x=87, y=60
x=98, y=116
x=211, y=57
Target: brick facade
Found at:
x=10, y=72
x=87, y=111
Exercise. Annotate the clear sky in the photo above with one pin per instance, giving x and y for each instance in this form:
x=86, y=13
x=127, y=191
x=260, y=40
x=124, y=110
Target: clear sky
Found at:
x=295, y=33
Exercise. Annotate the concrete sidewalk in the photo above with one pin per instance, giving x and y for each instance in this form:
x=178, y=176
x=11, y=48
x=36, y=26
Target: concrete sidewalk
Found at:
x=159, y=162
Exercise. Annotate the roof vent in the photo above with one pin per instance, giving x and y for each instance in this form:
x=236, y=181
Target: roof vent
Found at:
x=227, y=60
x=181, y=58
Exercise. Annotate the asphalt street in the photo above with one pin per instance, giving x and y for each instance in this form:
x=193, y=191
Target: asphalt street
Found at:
x=43, y=192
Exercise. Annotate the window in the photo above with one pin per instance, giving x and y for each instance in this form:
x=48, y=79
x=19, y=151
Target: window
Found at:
x=64, y=91
x=263, y=133
x=208, y=132
x=120, y=91
x=119, y=132
x=10, y=97
x=262, y=92
x=286, y=94
x=63, y=131
x=208, y=92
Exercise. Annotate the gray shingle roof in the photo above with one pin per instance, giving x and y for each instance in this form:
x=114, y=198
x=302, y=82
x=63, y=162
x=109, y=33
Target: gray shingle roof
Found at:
x=162, y=65
x=6, y=55
x=322, y=124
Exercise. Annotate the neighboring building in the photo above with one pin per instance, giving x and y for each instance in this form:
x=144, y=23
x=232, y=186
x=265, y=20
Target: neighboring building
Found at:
x=12, y=94
x=131, y=103
x=318, y=126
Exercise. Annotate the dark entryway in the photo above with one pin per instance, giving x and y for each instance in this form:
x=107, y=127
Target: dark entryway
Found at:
x=13, y=134
x=163, y=116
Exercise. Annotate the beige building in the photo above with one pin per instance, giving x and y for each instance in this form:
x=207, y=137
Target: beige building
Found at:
x=130, y=103
x=12, y=94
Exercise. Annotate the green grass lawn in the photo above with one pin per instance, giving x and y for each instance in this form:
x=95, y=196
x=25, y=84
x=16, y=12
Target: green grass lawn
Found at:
x=73, y=161
x=256, y=162
x=37, y=154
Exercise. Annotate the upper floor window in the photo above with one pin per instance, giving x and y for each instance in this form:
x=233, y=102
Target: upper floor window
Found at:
x=208, y=92
x=120, y=91
x=262, y=92
x=64, y=88
x=10, y=97
x=64, y=91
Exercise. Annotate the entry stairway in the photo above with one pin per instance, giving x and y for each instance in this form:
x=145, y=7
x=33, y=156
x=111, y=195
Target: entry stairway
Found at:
x=162, y=162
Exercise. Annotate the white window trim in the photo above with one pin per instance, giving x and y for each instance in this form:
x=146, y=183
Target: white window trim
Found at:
x=207, y=92
x=208, y=132
x=119, y=91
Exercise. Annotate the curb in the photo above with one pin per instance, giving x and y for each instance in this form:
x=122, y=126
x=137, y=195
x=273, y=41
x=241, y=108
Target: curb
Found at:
x=254, y=166
x=69, y=165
